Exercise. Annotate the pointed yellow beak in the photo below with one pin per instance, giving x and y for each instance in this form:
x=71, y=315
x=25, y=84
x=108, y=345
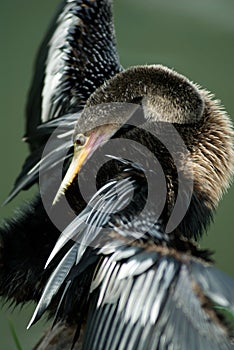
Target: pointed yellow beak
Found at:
x=79, y=158
x=82, y=153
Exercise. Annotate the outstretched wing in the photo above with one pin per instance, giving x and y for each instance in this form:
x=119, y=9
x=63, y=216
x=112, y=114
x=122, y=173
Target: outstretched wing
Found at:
x=77, y=55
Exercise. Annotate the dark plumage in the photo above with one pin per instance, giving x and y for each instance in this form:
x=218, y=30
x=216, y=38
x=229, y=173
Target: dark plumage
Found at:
x=26, y=244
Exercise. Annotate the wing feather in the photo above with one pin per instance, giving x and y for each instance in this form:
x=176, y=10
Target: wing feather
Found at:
x=54, y=283
x=158, y=308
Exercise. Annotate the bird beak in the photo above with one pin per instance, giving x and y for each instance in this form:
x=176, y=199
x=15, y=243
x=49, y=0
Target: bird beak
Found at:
x=81, y=154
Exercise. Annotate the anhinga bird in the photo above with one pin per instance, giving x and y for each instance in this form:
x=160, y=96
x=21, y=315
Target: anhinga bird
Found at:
x=148, y=288
x=121, y=277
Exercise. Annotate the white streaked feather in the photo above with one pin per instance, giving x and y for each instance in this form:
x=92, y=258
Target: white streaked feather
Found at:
x=71, y=232
x=55, y=60
x=166, y=271
x=137, y=264
x=54, y=283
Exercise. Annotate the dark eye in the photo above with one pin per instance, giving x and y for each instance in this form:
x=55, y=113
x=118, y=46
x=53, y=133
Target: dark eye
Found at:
x=80, y=140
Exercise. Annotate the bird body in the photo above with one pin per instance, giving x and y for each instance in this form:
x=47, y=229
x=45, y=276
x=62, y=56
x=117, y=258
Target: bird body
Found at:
x=114, y=222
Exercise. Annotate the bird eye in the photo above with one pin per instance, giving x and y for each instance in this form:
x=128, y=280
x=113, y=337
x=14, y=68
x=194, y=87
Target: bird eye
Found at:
x=80, y=140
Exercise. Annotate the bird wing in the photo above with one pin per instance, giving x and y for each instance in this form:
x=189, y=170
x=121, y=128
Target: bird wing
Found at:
x=153, y=300
x=77, y=55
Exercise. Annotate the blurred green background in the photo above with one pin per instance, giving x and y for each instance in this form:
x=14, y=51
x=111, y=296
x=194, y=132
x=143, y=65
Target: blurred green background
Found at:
x=196, y=38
